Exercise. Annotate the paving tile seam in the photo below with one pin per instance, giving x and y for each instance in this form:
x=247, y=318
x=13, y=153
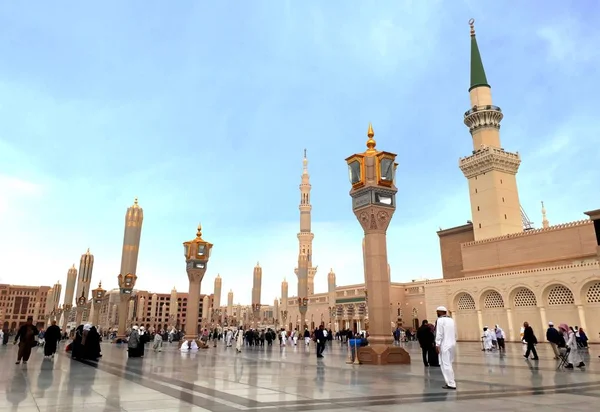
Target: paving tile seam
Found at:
x=395, y=399
x=190, y=386
x=167, y=390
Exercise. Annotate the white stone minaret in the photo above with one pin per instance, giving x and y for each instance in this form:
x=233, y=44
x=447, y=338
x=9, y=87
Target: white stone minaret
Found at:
x=256, y=290
x=230, y=304
x=173, y=306
x=490, y=170
x=217, y=294
x=545, y=222
x=331, y=287
x=284, y=295
x=86, y=266
x=305, y=236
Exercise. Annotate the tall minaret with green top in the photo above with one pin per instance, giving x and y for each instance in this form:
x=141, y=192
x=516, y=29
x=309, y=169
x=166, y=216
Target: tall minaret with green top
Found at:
x=490, y=170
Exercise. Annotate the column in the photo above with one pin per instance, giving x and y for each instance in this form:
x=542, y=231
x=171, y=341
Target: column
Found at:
x=581, y=312
x=193, y=303
x=543, y=318
x=480, y=321
x=511, y=329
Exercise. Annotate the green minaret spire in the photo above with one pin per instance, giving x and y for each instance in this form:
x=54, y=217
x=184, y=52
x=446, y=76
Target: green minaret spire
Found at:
x=478, y=78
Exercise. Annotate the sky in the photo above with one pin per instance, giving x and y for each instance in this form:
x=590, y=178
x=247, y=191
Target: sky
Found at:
x=202, y=110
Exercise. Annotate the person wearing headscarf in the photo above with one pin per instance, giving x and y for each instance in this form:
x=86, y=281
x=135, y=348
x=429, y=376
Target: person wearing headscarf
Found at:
x=133, y=342
x=500, y=337
x=52, y=338
x=574, y=355
x=76, y=345
x=91, y=349
x=158, y=341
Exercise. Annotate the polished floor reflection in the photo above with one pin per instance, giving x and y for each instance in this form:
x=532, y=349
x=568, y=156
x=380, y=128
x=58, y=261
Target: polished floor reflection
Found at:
x=290, y=379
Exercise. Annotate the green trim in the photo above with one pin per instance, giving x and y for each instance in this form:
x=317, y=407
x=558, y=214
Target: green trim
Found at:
x=478, y=78
x=350, y=300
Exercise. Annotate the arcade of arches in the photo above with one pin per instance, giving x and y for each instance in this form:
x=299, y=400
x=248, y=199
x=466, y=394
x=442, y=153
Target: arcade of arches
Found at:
x=574, y=300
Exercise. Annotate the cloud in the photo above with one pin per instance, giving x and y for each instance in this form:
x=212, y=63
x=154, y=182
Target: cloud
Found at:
x=16, y=192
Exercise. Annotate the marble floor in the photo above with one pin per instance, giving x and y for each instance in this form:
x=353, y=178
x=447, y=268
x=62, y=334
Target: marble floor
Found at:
x=291, y=379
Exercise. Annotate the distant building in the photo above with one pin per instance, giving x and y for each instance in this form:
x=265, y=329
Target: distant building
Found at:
x=19, y=302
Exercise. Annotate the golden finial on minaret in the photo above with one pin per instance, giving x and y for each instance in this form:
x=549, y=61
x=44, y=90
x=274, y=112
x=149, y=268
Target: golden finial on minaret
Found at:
x=371, y=142
x=199, y=232
x=545, y=222
x=135, y=202
x=88, y=251
x=100, y=284
x=472, y=25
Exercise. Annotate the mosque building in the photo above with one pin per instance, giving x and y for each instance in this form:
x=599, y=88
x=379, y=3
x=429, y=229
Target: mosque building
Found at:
x=497, y=269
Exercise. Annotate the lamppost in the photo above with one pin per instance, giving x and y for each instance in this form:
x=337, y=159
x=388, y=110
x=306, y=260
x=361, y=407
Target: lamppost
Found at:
x=373, y=191
x=97, y=297
x=126, y=284
x=197, y=254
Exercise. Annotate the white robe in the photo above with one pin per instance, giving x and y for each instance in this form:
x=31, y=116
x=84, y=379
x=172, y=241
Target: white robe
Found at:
x=229, y=337
x=574, y=355
x=445, y=340
x=487, y=339
x=283, y=337
x=240, y=341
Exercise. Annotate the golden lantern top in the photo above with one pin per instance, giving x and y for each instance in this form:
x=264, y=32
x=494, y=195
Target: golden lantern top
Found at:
x=127, y=282
x=198, y=248
x=372, y=167
x=98, y=293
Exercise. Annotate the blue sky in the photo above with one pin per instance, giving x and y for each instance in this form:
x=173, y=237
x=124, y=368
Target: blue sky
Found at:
x=203, y=109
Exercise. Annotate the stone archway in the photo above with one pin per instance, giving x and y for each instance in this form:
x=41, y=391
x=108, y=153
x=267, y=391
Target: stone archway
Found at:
x=590, y=297
x=560, y=304
x=465, y=316
x=524, y=303
x=493, y=310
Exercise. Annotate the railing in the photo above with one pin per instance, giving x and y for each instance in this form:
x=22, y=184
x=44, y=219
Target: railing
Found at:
x=482, y=108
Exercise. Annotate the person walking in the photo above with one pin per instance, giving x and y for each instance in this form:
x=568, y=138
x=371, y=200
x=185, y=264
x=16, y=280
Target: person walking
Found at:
x=530, y=340
x=26, y=338
x=445, y=344
x=320, y=338
x=553, y=336
x=426, y=338
x=52, y=338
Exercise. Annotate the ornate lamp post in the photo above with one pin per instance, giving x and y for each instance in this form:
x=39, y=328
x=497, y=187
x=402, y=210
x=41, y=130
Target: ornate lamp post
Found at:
x=373, y=192
x=126, y=285
x=197, y=254
x=97, y=297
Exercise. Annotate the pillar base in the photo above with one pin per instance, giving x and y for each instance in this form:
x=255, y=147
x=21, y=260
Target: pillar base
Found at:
x=383, y=355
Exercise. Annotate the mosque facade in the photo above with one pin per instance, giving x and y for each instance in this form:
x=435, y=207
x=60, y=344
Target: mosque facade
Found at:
x=496, y=268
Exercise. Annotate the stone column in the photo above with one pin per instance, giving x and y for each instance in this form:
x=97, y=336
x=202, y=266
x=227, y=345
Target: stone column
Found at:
x=511, y=329
x=123, y=306
x=205, y=310
x=543, y=318
x=141, y=309
x=480, y=321
x=302, y=289
x=582, y=322
x=130, y=312
x=276, y=312
x=193, y=303
x=96, y=318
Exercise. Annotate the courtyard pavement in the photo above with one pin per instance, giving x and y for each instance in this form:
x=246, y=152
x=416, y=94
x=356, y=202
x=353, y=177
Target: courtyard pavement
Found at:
x=292, y=379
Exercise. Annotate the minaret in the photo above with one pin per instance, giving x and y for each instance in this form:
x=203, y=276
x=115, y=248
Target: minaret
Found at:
x=331, y=287
x=284, y=295
x=70, y=288
x=49, y=304
x=256, y=289
x=173, y=307
x=131, y=239
x=545, y=222
x=217, y=296
x=305, y=236
x=86, y=265
x=276, y=312
x=56, y=289
x=490, y=170
x=303, y=288
x=230, y=304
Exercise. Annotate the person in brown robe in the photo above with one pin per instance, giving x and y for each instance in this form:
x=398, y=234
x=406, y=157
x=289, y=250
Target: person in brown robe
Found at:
x=26, y=338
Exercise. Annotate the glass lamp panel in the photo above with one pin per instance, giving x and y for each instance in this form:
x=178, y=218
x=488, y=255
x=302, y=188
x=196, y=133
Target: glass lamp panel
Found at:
x=354, y=172
x=201, y=249
x=186, y=250
x=386, y=169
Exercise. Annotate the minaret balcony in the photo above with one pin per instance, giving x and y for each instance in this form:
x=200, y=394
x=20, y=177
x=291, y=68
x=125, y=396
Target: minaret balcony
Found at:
x=487, y=159
x=480, y=117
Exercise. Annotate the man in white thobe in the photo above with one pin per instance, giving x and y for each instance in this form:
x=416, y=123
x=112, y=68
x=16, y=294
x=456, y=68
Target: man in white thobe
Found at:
x=445, y=343
x=487, y=339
